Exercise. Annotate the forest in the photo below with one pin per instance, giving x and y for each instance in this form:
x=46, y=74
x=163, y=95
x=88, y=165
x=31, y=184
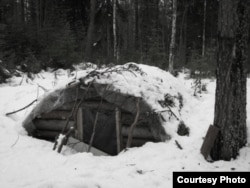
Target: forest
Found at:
x=60, y=33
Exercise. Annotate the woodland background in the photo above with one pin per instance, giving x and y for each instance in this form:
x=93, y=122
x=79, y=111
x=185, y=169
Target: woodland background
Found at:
x=59, y=33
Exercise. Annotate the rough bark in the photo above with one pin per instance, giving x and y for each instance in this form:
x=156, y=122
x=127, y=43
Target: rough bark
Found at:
x=230, y=103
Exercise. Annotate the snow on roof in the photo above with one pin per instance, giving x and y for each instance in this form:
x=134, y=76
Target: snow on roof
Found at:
x=152, y=84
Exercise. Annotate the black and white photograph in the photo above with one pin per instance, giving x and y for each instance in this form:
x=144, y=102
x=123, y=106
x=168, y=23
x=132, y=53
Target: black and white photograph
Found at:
x=124, y=93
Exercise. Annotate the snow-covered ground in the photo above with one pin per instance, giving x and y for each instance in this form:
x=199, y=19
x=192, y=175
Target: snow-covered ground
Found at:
x=28, y=162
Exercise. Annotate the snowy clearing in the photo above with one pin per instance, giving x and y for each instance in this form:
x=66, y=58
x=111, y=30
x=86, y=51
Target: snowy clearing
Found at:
x=28, y=162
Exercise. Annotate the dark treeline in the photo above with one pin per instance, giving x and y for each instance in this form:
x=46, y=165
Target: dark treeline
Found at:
x=59, y=33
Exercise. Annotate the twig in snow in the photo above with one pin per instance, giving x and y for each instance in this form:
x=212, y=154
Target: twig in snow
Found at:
x=15, y=141
x=178, y=145
x=10, y=113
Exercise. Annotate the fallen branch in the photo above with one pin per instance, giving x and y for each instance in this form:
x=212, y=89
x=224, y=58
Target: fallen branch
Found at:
x=131, y=130
x=15, y=141
x=10, y=113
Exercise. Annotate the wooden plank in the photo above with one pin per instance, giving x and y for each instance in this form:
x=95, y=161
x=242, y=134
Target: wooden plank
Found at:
x=51, y=125
x=55, y=114
x=67, y=106
x=209, y=140
x=89, y=104
x=79, y=125
x=127, y=119
x=139, y=132
x=97, y=105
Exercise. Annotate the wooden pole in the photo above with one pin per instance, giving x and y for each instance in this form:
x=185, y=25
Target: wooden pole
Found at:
x=118, y=129
x=131, y=130
x=79, y=125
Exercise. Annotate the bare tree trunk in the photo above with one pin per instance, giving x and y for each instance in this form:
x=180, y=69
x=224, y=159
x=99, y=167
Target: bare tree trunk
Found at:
x=22, y=12
x=173, y=33
x=108, y=41
x=115, y=33
x=37, y=15
x=183, y=38
x=108, y=33
x=88, y=50
x=204, y=29
x=230, y=102
x=136, y=34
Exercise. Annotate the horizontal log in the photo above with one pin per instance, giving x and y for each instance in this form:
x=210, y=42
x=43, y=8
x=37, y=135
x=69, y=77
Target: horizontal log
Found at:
x=95, y=105
x=53, y=125
x=89, y=104
x=85, y=92
x=143, y=133
x=55, y=114
x=66, y=106
x=127, y=119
